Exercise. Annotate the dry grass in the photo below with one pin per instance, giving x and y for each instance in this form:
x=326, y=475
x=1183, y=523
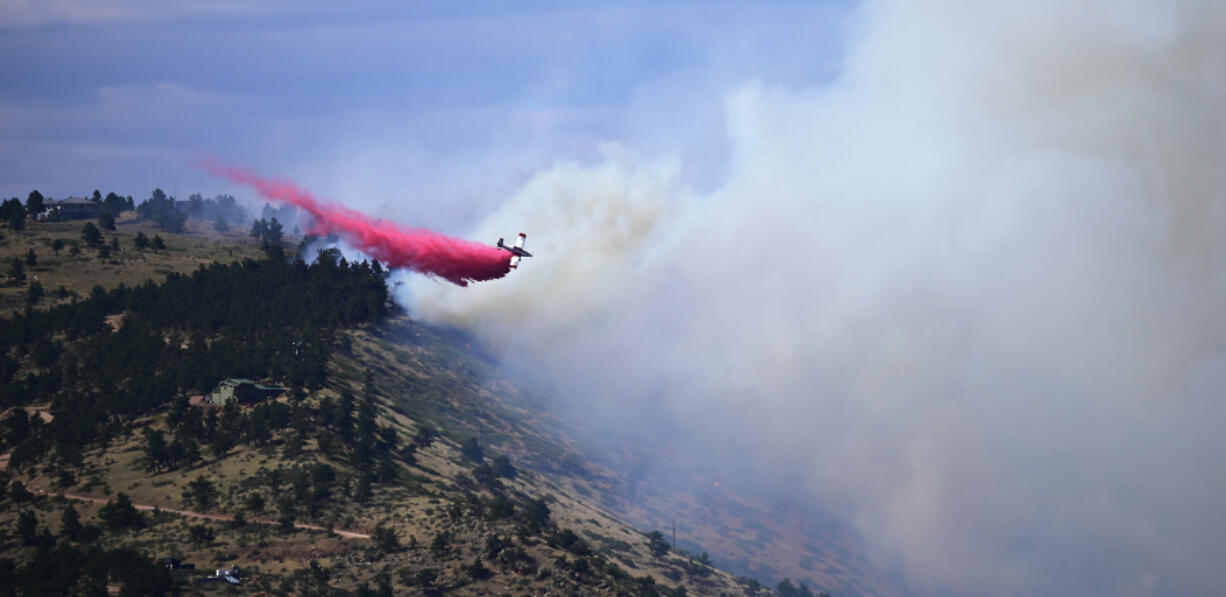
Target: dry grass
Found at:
x=199, y=244
x=419, y=376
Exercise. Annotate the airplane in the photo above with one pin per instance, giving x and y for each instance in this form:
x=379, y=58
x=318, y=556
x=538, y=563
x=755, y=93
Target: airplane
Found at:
x=517, y=251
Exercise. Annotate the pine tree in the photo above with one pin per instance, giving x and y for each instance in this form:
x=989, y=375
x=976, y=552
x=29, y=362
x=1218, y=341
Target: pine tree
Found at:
x=107, y=220
x=35, y=293
x=91, y=235
x=156, y=452
x=200, y=493
x=35, y=203
x=17, y=270
x=27, y=527
x=70, y=524
x=14, y=213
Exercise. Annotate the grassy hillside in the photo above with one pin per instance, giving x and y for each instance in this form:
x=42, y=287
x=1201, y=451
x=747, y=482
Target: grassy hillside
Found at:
x=399, y=469
x=441, y=376
x=79, y=273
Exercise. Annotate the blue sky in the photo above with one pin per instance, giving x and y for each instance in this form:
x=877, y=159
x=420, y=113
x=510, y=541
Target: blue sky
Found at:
x=430, y=113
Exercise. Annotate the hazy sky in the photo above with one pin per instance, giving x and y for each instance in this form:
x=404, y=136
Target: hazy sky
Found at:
x=965, y=294
x=952, y=270
x=428, y=110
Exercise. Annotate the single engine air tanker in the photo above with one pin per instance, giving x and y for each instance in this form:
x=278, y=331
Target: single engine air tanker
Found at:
x=517, y=250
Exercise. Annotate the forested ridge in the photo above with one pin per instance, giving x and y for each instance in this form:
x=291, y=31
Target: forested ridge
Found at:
x=269, y=318
x=96, y=406
x=259, y=319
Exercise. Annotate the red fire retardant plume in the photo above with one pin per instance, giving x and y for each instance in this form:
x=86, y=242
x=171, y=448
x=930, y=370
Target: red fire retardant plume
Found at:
x=455, y=260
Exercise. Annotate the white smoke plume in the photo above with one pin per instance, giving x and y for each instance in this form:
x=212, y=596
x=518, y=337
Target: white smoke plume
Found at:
x=970, y=293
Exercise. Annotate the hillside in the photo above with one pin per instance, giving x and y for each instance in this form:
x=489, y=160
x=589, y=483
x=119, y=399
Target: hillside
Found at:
x=79, y=273
x=394, y=464
x=443, y=376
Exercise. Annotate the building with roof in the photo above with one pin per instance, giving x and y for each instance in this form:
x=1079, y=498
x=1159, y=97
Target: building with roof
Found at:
x=74, y=208
x=242, y=391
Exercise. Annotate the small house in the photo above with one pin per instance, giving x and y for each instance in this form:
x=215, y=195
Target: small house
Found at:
x=242, y=391
x=75, y=208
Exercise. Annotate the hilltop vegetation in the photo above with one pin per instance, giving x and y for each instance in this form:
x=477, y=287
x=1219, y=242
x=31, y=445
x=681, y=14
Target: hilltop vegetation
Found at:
x=386, y=468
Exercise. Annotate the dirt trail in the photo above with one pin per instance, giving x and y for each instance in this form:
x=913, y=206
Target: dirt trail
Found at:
x=207, y=516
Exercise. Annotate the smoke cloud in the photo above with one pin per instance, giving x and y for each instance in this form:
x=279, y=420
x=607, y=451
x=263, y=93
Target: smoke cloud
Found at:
x=968, y=296
x=455, y=260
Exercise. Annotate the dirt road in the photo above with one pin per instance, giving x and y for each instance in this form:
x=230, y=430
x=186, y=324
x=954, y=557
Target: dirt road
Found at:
x=207, y=516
